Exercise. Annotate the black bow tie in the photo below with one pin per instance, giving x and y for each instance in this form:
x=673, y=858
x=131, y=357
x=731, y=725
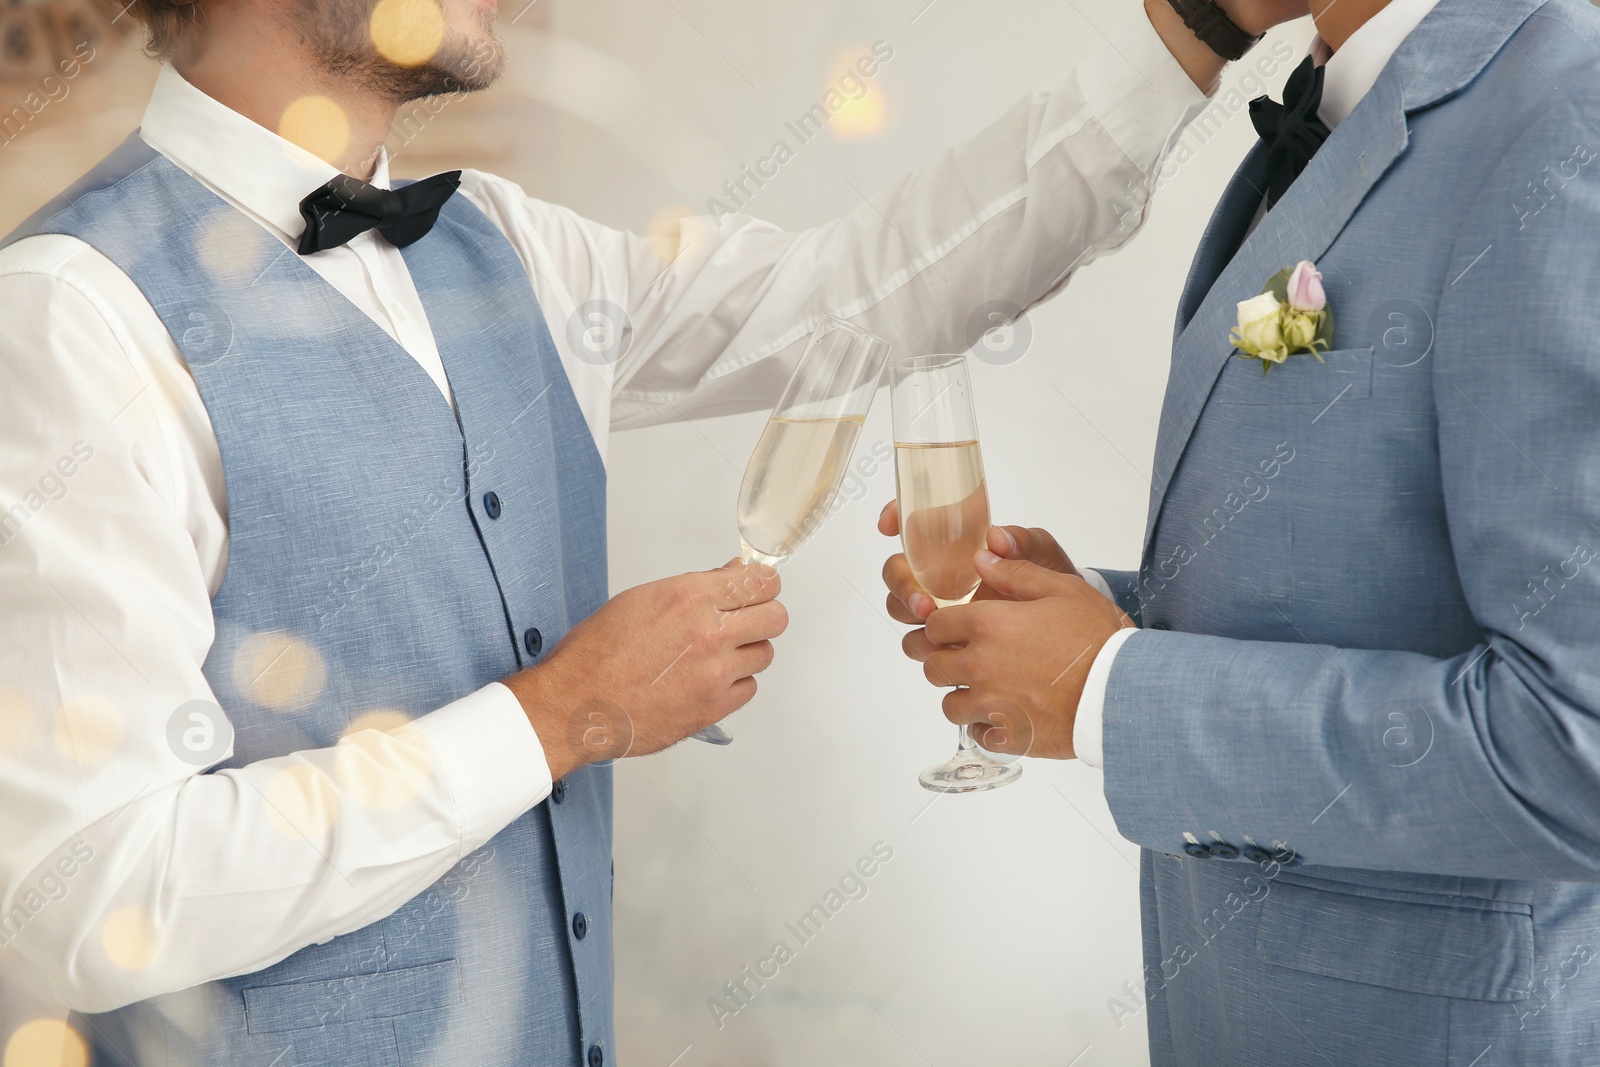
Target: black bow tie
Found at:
x=1291, y=130
x=348, y=206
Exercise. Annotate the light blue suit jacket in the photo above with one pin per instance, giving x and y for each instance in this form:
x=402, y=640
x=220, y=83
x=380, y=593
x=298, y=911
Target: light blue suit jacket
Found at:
x=1370, y=596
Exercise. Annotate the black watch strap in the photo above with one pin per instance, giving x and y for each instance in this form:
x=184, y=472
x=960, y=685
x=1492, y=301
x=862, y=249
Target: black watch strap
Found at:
x=1215, y=29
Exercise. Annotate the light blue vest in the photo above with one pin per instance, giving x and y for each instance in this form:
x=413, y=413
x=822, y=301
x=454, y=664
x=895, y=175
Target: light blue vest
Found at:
x=361, y=524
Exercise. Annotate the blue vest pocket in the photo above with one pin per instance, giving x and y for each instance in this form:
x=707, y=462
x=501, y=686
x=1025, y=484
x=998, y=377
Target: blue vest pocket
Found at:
x=304, y=1005
x=1461, y=947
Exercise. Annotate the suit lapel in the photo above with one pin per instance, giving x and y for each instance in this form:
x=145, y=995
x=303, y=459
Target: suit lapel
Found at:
x=1446, y=51
x=1224, y=233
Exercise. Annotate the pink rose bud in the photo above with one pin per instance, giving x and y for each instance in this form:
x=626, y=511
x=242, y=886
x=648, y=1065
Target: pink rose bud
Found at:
x=1305, y=288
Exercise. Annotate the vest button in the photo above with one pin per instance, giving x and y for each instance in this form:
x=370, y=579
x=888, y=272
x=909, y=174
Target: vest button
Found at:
x=558, y=792
x=1197, y=850
x=580, y=926
x=597, y=1056
x=532, y=640
x=491, y=504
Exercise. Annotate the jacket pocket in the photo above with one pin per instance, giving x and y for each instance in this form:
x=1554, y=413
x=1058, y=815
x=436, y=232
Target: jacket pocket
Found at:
x=303, y=1005
x=1344, y=374
x=1461, y=947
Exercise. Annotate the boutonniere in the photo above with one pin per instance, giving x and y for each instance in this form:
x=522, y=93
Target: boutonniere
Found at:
x=1290, y=315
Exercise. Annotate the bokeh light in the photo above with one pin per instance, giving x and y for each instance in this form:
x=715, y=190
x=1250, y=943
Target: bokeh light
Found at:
x=383, y=761
x=129, y=939
x=665, y=231
x=46, y=1043
x=302, y=802
x=228, y=245
x=407, y=32
x=279, y=671
x=864, y=111
x=318, y=125
x=88, y=729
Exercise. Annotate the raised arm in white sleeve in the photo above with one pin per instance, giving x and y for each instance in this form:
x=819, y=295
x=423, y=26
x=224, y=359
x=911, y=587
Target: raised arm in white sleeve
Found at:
x=1061, y=178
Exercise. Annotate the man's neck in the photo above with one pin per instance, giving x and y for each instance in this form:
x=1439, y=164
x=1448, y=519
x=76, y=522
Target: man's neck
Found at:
x=346, y=127
x=1337, y=20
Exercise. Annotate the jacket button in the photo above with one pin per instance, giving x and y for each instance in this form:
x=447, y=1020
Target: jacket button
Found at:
x=1158, y=626
x=1224, y=851
x=1197, y=850
x=491, y=504
x=558, y=792
x=532, y=640
x=1257, y=854
x=597, y=1056
x=580, y=926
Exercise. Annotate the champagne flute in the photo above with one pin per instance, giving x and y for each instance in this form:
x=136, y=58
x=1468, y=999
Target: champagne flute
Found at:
x=795, y=471
x=944, y=518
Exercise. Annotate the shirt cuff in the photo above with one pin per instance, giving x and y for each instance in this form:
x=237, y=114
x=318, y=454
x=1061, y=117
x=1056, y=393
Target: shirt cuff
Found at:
x=1086, y=728
x=1139, y=93
x=491, y=757
x=1098, y=583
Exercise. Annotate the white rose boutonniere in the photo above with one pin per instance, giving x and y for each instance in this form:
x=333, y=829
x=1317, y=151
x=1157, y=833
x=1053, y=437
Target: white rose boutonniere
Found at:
x=1290, y=315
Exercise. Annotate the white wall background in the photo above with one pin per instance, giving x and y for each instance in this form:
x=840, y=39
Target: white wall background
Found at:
x=1004, y=921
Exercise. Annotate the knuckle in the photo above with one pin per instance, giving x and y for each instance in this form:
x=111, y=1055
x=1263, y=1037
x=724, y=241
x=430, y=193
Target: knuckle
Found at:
x=739, y=694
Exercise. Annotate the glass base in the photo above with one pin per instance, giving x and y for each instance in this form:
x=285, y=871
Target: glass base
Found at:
x=970, y=770
x=714, y=735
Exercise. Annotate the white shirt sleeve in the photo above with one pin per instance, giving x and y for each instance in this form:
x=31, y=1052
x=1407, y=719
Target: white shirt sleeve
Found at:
x=1086, y=728
x=105, y=625
x=716, y=314
x=1097, y=582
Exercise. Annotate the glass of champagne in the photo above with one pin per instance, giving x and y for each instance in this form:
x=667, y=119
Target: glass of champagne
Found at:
x=795, y=471
x=944, y=517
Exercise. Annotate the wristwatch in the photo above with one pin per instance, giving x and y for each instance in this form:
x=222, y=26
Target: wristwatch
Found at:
x=1215, y=29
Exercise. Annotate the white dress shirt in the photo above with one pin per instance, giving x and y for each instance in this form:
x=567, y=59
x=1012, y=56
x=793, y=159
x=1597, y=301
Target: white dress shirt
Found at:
x=1350, y=74
x=113, y=512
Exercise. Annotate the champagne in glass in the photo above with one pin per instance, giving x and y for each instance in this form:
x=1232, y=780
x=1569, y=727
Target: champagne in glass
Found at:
x=944, y=518
x=799, y=463
x=790, y=482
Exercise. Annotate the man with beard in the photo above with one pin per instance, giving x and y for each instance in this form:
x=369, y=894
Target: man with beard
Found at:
x=310, y=677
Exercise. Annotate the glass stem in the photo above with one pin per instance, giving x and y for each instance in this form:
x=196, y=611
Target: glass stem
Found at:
x=966, y=743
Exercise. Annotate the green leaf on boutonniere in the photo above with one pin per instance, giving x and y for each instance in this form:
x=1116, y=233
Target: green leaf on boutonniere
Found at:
x=1278, y=285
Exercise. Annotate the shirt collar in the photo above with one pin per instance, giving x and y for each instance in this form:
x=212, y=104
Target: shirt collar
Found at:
x=1353, y=70
x=248, y=165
